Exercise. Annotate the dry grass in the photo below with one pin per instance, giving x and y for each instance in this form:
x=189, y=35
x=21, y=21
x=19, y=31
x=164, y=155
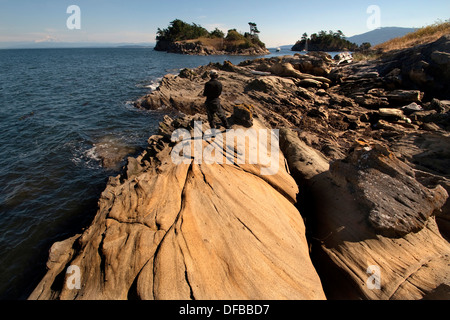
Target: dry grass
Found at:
x=210, y=42
x=216, y=43
x=366, y=55
x=422, y=36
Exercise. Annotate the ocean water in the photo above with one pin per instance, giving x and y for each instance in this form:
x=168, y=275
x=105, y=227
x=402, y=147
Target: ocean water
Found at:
x=57, y=106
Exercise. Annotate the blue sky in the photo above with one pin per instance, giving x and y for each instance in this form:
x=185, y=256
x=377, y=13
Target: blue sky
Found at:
x=280, y=22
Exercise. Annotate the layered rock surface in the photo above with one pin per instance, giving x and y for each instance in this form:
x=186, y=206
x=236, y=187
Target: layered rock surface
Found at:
x=371, y=211
x=189, y=231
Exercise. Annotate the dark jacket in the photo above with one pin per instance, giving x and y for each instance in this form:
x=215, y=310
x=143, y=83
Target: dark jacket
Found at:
x=213, y=90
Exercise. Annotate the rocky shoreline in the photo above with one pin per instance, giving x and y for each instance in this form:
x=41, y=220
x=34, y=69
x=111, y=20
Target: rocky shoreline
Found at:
x=363, y=185
x=194, y=48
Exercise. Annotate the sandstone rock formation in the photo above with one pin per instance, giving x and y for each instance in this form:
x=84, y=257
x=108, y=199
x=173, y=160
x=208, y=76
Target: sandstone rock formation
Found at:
x=371, y=211
x=189, y=231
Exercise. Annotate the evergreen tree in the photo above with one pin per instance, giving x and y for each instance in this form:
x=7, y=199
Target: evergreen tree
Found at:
x=325, y=41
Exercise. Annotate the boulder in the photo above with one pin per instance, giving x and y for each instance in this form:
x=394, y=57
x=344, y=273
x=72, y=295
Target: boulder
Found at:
x=243, y=115
x=187, y=73
x=287, y=70
x=372, y=214
x=370, y=101
x=304, y=161
x=405, y=96
x=412, y=107
x=321, y=55
x=397, y=204
x=428, y=153
x=441, y=58
x=422, y=115
x=391, y=113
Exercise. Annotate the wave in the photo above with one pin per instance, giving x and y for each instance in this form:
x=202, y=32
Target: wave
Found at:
x=85, y=155
x=153, y=85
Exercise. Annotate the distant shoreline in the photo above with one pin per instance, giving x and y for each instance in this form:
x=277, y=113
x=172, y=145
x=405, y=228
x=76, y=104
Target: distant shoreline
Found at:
x=68, y=45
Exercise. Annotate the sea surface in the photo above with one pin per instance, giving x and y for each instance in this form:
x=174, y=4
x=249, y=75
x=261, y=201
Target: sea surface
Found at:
x=56, y=107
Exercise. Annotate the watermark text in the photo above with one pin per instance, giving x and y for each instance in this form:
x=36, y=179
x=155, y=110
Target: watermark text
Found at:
x=73, y=280
x=257, y=147
x=374, y=281
x=374, y=20
x=74, y=20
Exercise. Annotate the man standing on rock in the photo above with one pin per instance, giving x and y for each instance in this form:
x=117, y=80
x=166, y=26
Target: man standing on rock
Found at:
x=213, y=90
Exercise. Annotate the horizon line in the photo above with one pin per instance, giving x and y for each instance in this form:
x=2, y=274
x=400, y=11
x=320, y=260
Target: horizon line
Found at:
x=36, y=44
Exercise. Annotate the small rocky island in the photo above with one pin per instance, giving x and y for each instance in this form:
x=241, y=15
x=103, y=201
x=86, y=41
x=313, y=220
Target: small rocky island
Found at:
x=327, y=42
x=359, y=208
x=192, y=39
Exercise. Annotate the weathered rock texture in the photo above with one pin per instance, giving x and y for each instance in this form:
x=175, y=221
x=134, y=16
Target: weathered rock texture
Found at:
x=371, y=211
x=189, y=231
x=368, y=145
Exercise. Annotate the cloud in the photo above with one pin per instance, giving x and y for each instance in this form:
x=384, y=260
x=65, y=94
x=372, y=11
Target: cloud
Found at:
x=47, y=38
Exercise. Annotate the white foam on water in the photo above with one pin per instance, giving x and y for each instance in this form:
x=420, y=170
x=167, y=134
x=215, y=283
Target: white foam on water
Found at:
x=84, y=156
x=153, y=85
x=92, y=154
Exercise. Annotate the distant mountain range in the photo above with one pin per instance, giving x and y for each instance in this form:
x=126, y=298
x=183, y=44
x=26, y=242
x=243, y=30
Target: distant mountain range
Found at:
x=380, y=35
x=63, y=45
x=374, y=37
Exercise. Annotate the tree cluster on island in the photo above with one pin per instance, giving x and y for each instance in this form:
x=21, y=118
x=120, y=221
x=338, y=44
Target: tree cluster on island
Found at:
x=180, y=31
x=327, y=41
